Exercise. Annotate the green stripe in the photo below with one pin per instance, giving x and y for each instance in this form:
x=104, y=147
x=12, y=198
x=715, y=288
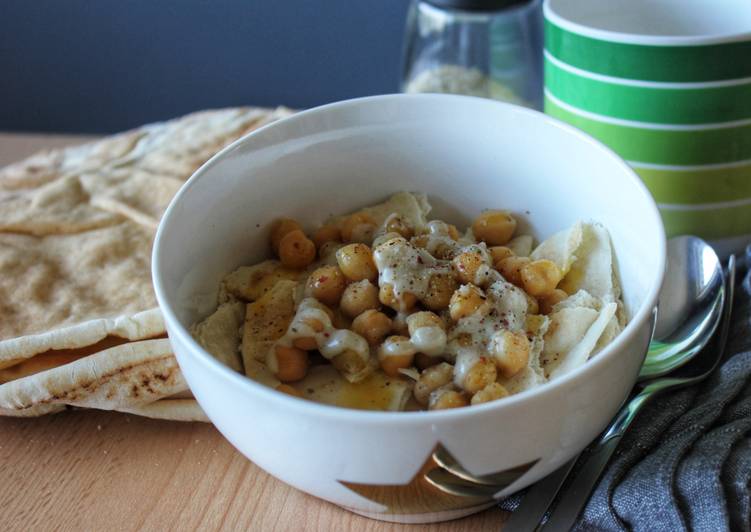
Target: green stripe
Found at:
x=659, y=146
x=644, y=104
x=698, y=186
x=651, y=63
x=715, y=223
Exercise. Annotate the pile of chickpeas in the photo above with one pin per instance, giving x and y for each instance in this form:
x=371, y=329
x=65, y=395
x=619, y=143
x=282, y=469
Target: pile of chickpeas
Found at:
x=350, y=287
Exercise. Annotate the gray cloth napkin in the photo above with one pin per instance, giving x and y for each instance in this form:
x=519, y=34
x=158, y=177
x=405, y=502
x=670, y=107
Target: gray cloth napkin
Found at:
x=685, y=464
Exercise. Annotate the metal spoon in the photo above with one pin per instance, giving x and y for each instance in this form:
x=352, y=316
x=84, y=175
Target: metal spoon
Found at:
x=690, y=309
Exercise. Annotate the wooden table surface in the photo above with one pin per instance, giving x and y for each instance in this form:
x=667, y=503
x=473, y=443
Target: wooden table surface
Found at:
x=96, y=470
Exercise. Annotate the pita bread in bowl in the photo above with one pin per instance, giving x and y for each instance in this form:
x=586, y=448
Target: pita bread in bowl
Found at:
x=80, y=326
x=466, y=155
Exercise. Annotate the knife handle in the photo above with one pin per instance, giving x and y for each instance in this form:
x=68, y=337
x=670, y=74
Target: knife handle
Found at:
x=594, y=461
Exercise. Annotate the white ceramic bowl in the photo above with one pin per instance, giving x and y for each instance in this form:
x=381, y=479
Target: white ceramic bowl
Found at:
x=467, y=154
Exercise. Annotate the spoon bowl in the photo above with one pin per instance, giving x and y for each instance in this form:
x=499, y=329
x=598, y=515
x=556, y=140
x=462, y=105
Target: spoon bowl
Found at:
x=690, y=306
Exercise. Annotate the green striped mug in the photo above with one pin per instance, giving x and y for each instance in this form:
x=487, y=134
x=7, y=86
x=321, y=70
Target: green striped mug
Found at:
x=667, y=85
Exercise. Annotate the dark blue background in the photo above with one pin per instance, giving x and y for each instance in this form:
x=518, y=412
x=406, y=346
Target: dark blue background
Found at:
x=107, y=65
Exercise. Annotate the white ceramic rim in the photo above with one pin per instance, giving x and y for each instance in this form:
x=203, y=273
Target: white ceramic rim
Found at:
x=637, y=38
x=642, y=315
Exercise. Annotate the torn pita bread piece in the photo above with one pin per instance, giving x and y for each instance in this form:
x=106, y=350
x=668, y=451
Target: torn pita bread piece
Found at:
x=59, y=207
x=594, y=270
x=132, y=193
x=50, y=165
x=76, y=230
x=572, y=337
x=128, y=375
x=220, y=333
x=411, y=208
x=182, y=146
x=169, y=409
x=266, y=320
x=56, y=281
x=249, y=283
x=521, y=245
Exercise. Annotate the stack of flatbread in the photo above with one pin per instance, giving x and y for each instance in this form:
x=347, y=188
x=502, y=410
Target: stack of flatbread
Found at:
x=79, y=324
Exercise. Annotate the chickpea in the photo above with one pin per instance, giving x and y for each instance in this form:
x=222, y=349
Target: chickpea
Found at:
x=296, y=250
x=291, y=363
x=540, y=277
x=431, y=379
x=404, y=303
x=427, y=332
x=391, y=365
x=326, y=284
x=491, y=392
x=548, y=301
x=281, y=227
x=359, y=297
x=495, y=228
x=358, y=227
x=306, y=344
x=372, y=325
x=465, y=301
x=441, y=287
x=511, y=268
x=289, y=390
x=424, y=319
x=446, y=398
x=349, y=362
x=356, y=262
x=466, y=265
x=396, y=224
x=396, y=353
x=309, y=343
x=326, y=233
x=510, y=352
x=498, y=253
x=482, y=373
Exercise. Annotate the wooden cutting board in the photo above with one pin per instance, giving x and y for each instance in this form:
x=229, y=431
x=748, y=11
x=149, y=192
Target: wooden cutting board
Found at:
x=92, y=470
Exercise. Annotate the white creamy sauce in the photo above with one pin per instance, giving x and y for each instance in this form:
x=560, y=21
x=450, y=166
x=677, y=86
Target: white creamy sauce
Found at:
x=398, y=347
x=465, y=361
x=438, y=237
x=510, y=303
x=429, y=340
x=331, y=341
x=406, y=268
